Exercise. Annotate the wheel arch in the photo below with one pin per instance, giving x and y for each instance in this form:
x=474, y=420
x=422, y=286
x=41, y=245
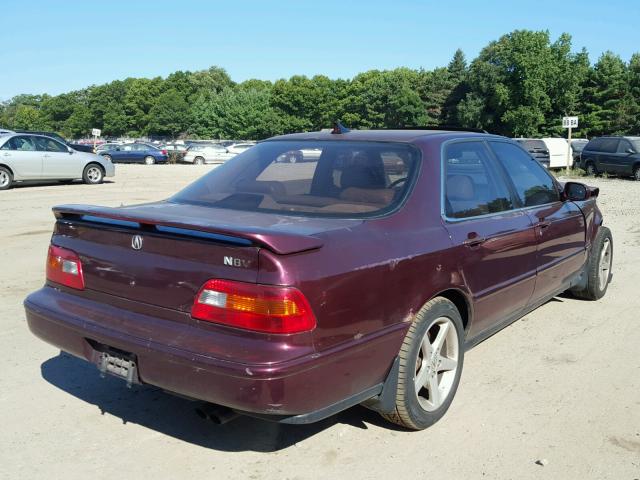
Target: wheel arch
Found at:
x=462, y=302
x=4, y=165
x=93, y=162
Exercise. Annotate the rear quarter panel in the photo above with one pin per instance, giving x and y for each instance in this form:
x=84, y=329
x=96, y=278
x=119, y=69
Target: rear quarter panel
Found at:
x=370, y=280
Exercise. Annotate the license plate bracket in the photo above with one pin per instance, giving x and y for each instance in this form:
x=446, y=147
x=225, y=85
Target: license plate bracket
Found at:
x=124, y=367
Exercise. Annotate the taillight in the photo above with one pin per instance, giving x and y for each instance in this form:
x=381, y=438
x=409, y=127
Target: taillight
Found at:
x=263, y=308
x=164, y=152
x=64, y=267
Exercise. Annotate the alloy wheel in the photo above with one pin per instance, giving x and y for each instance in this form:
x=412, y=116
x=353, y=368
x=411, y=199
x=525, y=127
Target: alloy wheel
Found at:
x=94, y=174
x=437, y=364
x=4, y=179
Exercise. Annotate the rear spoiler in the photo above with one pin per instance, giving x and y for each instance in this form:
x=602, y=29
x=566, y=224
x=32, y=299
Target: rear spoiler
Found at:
x=278, y=242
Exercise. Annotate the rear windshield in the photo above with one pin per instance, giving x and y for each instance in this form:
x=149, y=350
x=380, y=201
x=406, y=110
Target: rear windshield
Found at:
x=319, y=178
x=538, y=145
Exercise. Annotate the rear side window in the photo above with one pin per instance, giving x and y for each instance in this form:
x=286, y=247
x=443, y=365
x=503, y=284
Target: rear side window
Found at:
x=593, y=145
x=310, y=178
x=21, y=143
x=532, y=183
x=609, y=145
x=533, y=145
x=473, y=186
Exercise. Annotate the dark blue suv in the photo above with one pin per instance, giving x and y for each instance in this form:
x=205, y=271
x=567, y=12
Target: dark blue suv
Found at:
x=136, y=153
x=613, y=155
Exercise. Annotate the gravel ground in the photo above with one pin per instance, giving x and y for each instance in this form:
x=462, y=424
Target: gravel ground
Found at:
x=556, y=395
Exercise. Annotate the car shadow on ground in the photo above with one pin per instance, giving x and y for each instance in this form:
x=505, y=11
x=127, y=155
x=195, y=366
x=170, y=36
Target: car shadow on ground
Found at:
x=171, y=415
x=53, y=183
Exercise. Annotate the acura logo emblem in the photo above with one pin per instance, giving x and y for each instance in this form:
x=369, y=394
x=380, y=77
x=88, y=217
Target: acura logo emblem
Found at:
x=136, y=242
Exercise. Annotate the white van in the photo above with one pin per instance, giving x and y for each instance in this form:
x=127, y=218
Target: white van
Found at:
x=558, y=151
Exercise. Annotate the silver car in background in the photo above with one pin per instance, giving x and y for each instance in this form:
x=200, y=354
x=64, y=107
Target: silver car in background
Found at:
x=207, y=153
x=239, y=147
x=27, y=157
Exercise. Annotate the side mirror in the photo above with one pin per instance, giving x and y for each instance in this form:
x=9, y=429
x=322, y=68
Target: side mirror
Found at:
x=576, y=192
x=630, y=151
x=70, y=150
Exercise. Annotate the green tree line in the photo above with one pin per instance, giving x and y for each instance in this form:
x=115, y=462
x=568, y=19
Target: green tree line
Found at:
x=519, y=85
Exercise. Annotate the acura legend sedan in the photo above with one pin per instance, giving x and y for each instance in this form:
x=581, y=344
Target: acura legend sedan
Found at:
x=292, y=291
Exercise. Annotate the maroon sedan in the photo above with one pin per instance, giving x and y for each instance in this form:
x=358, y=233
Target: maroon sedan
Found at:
x=291, y=291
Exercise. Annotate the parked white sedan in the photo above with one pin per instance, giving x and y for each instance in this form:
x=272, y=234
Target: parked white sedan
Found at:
x=201, y=154
x=237, y=148
x=26, y=157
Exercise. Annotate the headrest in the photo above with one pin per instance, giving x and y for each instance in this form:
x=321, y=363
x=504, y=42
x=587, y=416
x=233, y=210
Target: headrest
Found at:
x=275, y=189
x=460, y=187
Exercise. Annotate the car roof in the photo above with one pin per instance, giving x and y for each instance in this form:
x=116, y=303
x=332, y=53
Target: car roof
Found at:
x=406, y=136
x=31, y=134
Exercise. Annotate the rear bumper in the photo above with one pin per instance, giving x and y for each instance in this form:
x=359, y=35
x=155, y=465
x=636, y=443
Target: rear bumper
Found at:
x=302, y=385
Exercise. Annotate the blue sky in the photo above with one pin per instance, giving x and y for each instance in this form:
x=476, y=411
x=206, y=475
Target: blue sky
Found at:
x=53, y=47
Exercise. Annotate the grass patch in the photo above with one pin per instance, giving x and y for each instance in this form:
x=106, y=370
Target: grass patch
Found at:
x=573, y=173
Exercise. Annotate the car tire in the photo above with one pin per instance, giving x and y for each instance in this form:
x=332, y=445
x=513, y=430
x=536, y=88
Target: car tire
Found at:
x=198, y=161
x=636, y=172
x=590, y=169
x=108, y=158
x=598, y=268
x=6, y=178
x=425, y=369
x=149, y=160
x=93, y=174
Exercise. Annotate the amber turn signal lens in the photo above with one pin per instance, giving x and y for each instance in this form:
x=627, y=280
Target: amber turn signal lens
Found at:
x=263, y=308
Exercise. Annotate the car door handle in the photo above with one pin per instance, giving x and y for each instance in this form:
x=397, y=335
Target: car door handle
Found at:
x=474, y=242
x=6, y=154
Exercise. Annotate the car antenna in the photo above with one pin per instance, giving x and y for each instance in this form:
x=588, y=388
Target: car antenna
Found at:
x=339, y=128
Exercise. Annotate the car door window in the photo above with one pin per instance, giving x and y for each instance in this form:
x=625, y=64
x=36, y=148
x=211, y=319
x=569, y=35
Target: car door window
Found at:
x=532, y=183
x=624, y=146
x=473, y=186
x=45, y=144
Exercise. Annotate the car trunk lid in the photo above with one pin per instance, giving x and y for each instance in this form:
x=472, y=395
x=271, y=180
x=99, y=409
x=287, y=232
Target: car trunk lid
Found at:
x=161, y=254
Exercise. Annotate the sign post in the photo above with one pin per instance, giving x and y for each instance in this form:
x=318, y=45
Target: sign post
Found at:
x=96, y=133
x=570, y=123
